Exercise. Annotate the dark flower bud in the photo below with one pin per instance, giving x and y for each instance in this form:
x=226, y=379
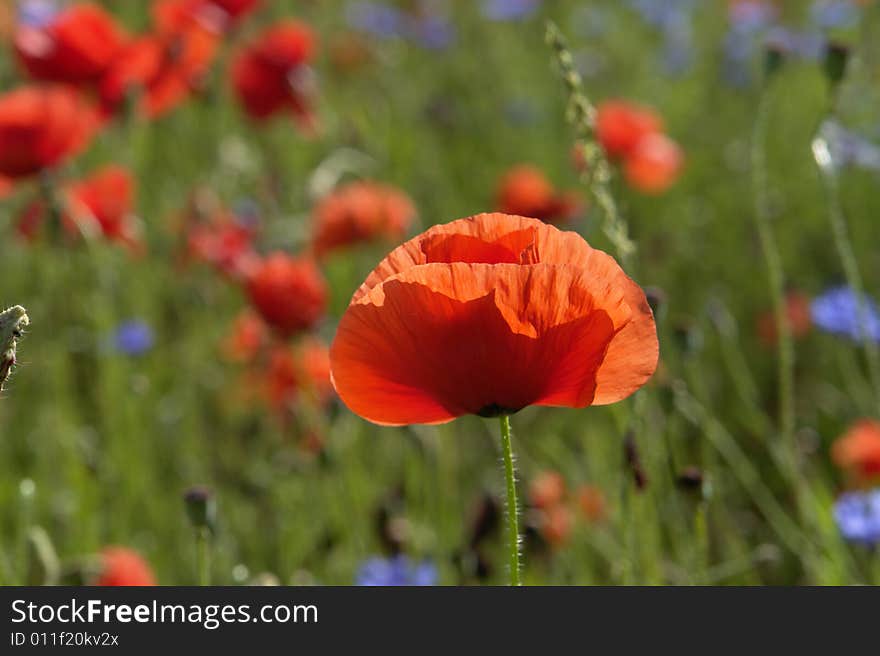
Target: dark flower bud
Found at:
x=690, y=479
x=634, y=461
x=201, y=507
x=774, y=58
x=656, y=299
x=834, y=62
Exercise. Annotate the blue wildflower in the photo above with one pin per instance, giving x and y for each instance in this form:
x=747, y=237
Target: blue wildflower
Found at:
x=847, y=148
x=858, y=516
x=431, y=31
x=396, y=571
x=841, y=312
x=831, y=14
x=37, y=13
x=509, y=10
x=133, y=338
x=374, y=18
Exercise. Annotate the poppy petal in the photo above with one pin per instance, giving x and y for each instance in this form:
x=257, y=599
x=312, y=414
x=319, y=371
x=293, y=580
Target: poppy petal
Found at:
x=445, y=339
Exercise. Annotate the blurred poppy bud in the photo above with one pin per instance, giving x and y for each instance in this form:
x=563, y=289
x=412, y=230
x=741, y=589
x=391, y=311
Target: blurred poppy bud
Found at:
x=201, y=507
x=690, y=479
x=634, y=461
x=689, y=337
x=774, y=58
x=656, y=298
x=834, y=62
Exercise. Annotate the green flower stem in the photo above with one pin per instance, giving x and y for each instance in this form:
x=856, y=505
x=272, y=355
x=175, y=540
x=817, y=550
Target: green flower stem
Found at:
x=847, y=257
x=773, y=260
x=512, y=507
x=203, y=555
x=598, y=172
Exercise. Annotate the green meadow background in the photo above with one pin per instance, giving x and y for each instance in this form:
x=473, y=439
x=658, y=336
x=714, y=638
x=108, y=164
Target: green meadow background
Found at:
x=98, y=448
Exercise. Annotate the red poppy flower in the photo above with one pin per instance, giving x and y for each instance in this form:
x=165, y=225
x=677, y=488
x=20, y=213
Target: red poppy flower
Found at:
x=547, y=489
x=361, y=211
x=525, y=191
x=121, y=566
x=272, y=74
x=108, y=198
x=621, y=126
x=288, y=292
x=292, y=372
x=100, y=204
x=487, y=315
x=798, y=314
x=555, y=525
x=237, y=9
x=77, y=46
x=314, y=364
x=225, y=243
x=654, y=164
x=166, y=67
x=591, y=501
x=858, y=450
x=40, y=127
x=249, y=336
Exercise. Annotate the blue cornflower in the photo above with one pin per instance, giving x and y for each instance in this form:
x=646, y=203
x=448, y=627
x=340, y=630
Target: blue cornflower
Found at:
x=396, y=571
x=839, y=311
x=431, y=31
x=830, y=14
x=806, y=45
x=133, y=338
x=509, y=10
x=375, y=18
x=37, y=13
x=858, y=516
x=847, y=148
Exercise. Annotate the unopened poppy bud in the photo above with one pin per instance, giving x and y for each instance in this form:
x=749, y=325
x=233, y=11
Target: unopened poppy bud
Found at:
x=689, y=337
x=656, y=299
x=834, y=62
x=690, y=478
x=634, y=461
x=201, y=507
x=774, y=58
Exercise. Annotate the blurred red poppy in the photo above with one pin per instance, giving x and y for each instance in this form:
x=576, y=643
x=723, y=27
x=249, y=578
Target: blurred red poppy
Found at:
x=107, y=197
x=272, y=74
x=76, y=46
x=591, y=501
x=237, y=9
x=289, y=293
x=621, y=126
x=358, y=212
x=654, y=164
x=249, y=336
x=547, y=489
x=487, y=315
x=858, y=451
x=556, y=524
x=798, y=314
x=121, y=566
x=525, y=191
x=291, y=373
x=165, y=67
x=100, y=204
x=225, y=243
x=41, y=126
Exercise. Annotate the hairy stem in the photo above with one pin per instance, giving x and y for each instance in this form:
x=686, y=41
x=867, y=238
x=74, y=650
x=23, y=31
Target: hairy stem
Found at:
x=512, y=507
